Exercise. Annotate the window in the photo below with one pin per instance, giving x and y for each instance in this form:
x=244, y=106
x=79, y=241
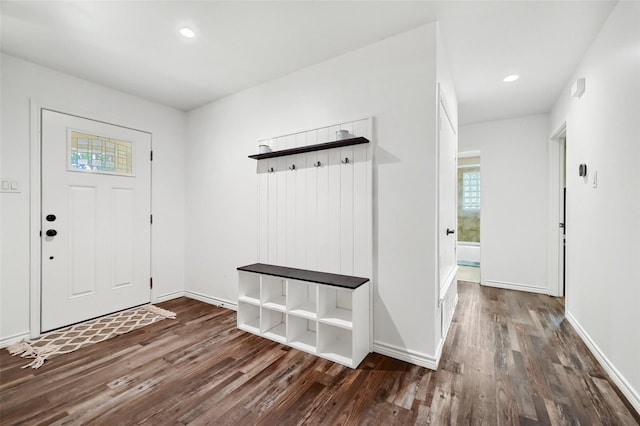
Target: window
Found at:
x=471, y=191
x=99, y=154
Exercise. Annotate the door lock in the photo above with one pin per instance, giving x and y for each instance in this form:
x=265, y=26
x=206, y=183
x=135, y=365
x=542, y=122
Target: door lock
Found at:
x=51, y=232
x=51, y=217
x=450, y=231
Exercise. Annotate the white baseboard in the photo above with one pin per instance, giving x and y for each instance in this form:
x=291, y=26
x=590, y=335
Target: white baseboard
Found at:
x=169, y=296
x=624, y=386
x=14, y=338
x=403, y=354
x=516, y=286
x=211, y=300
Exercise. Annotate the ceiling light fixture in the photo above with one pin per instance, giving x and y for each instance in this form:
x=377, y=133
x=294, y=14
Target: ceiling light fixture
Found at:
x=511, y=78
x=187, y=32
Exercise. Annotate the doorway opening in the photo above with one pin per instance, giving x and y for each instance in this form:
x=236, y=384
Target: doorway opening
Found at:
x=562, y=223
x=557, y=220
x=469, y=202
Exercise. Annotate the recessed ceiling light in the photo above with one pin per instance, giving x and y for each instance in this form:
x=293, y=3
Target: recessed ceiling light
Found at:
x=510, y=78
x=187, y=32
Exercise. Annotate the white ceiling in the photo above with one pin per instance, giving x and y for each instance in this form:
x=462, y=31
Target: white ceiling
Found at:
x=133, y=46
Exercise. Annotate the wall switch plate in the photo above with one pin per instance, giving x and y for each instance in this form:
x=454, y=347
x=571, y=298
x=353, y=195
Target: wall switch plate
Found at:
x=10, y=185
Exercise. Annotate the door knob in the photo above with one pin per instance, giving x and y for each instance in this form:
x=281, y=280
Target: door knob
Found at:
x=450, y=231
x=51, y=232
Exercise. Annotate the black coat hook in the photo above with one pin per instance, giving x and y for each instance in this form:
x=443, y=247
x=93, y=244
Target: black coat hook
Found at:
x=270, y=170
x=293, y=167
x=345, y=161
x=317, y=164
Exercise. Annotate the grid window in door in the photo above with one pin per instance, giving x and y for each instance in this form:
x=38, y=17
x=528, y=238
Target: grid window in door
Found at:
x=471, y=191
x=99, y=154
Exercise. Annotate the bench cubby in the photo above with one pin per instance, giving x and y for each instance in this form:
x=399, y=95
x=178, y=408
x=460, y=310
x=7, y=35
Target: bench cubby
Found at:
x=324, y=314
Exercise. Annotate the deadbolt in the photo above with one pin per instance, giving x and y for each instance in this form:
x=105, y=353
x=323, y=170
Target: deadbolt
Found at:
x=51, y=217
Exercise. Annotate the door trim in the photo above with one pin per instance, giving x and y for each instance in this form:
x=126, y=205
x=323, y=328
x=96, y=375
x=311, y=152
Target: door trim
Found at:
x=442, y=102
x=35, y=204
x=555, y=156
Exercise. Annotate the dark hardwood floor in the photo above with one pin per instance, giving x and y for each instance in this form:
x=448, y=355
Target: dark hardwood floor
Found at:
x=509, y=358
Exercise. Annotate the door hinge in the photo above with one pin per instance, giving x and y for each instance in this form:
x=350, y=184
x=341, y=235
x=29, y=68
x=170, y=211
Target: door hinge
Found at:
x=151, y=218
x=151, y=155
x=151, y=282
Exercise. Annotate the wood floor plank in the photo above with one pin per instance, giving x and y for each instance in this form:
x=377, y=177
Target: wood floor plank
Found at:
x=509, y=358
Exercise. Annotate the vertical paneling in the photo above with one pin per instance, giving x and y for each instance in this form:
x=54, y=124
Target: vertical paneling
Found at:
x=346, y=210
x=311, y=234
x=322, y=185
x=318, y=217
x=272, y=216
x=311, y=195
x=82, y=240
x=263, y=211
x=333, y=207
x=281, y=208
x=291, y=218
x=324, y=136
x=362, y=230
x=122, y=213
x=301, y=216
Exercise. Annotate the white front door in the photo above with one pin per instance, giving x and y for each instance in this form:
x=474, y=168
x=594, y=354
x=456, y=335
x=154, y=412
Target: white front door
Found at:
x=447, y=199
x=96, y=231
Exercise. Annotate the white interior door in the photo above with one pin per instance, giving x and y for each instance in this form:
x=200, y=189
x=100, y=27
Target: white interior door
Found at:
x=96, y=231
x=447, y=215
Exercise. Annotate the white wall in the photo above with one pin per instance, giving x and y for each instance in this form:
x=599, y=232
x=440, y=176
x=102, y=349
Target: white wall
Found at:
x=22, y=81
x=514, y=200
x=603, y=223
x=394, y=81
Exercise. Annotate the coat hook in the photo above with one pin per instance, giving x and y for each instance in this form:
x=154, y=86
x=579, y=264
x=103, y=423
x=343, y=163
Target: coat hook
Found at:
x=317, y=164
x=345, y=161
x=270, y=169
x=293, y=167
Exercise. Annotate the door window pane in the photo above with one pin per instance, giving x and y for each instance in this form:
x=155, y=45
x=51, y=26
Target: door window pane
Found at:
x=99, y=154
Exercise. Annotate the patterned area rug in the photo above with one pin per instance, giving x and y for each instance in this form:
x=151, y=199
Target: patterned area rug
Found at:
x=87, y=333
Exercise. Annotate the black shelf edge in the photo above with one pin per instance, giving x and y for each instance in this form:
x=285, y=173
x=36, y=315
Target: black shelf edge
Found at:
x=336, y=280
x=309, y=148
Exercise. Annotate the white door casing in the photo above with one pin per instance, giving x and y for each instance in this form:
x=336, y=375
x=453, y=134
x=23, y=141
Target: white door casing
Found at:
x=447, y=197
x=99, y=261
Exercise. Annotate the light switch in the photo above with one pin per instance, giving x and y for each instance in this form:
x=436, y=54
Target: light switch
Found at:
x=10, y=185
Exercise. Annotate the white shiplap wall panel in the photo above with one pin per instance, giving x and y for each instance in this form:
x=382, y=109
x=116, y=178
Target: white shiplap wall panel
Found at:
x=272, y=212
x=292, y=219
x=346, y=210
x=361, y=226
x=300, y=217
x=281, y=211
x=322, y=181
x=333, y=203
x=311, y=196
x=318, y=217
x=263, y=212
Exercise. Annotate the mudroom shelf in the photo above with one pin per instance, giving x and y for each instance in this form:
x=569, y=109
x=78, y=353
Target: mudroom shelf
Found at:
x=310, y=148
x=323, y=314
